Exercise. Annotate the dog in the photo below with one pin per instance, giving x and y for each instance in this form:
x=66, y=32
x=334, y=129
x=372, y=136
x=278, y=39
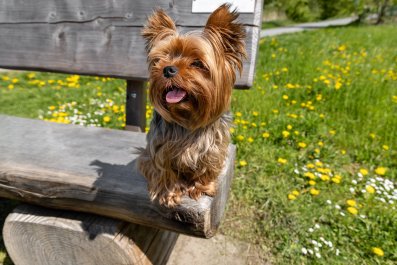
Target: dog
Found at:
x=190, y=86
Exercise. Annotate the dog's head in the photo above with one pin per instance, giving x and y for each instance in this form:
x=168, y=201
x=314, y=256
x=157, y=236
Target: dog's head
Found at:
x=192, y=74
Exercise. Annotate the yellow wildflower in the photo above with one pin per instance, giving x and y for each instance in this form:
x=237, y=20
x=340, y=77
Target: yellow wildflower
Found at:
x=380, y=171
x=312, y=182
x=335, y=180
x=250, y=139
x=314, y=191
x=266, y=135
x=291, y=197
x=240, y=137
x=285, y=97
x=232, y=130
x=385, y=147
x=363, y=171
x=378, y=251
x=238, y=114
x=309, y=175
x=351, y=203
x=243, y=163
x=324, y=177
x=295, y=192
x=290, y=86
x=352, y=210
x=106, y=119
x=332, y=132
x=370, y=189
x=302, y=145
x=285, y=134
x=282, y=160
x=310, y=165
x=255, y=113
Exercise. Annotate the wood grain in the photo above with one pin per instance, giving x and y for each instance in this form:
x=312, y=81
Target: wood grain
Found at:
x=101, y=38
x=40, y=236
x=93, y=170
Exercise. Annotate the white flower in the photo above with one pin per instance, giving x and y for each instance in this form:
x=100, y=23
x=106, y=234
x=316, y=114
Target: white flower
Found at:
x=352, y=190
x=310, y=251
x=337, y=207
x=311, y=230
x=354, y=182
x=317, y=226
x=304, y=251
x=318, y=255
x=342, y=213
x=296, y=171
x=329, y=202
x=337, y=252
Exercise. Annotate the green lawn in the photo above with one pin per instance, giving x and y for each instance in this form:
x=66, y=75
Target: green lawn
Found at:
x=316, y=172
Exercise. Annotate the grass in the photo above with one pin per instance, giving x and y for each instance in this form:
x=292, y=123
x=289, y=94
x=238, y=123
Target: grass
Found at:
x=315, y=179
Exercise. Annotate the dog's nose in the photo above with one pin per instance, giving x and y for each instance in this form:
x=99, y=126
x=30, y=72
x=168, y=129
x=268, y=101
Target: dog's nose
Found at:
x=170, y=71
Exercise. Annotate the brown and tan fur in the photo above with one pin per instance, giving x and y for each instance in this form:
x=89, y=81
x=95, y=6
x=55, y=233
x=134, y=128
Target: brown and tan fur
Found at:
x=188, y=140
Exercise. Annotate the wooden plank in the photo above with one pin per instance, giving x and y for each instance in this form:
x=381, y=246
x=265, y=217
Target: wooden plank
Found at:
x=41, y=236
x=89, y=49
x=124, y=12
x=102, y=43
x=93, y=170
x=135, y=107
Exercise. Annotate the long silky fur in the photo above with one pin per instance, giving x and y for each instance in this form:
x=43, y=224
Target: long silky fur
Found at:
x=187, y=161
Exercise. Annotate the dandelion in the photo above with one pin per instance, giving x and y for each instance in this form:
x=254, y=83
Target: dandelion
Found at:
x=380, y=171
x=314, y=191
x=285, y=134
x=312, y=183
x=378, y=251
x=363, y=171
x=291, y=197
x=285, y=97
x=266, y=135
x=295, y=192
x=332, y=132
x=250, y=139
x=352, y=210
x=106, y=119
x=302, y=145
x=243, y=163
x=282, y=160
x=255, y=113
x=309, y=175
x=10, y=86
x=351, y=203
x=232, y=130
x=240, y=138
x=385, y=147
x=370, y=189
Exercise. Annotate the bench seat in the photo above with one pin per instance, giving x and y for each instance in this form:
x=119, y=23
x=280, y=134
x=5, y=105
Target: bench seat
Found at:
x=90, y=169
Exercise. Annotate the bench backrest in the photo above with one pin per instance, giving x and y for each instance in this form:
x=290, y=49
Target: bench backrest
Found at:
x=98, y=37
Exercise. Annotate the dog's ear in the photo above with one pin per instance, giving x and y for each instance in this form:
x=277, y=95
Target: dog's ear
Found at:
x=227, y=35
x=158, y=27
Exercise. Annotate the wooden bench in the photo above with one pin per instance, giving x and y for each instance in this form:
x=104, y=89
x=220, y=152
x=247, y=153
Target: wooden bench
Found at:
x=97, y=210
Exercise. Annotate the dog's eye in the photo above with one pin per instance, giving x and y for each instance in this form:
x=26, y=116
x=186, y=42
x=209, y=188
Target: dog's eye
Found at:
x=198, y=64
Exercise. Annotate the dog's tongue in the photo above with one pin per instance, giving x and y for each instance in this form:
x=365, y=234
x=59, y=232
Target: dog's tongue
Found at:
x=175, y=95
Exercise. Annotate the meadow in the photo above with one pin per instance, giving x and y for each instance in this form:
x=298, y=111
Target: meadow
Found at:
x=316, y=170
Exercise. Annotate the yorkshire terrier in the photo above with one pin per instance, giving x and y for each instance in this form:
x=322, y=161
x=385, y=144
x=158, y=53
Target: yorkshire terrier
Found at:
x=191, y=81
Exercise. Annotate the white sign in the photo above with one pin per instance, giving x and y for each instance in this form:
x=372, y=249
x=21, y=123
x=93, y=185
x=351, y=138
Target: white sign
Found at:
x=208, y=6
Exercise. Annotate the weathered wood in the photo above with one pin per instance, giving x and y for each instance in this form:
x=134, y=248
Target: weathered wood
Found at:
x=96, y=37
x=135, y=107
x=93, y=170
x=40, y=236
x=124, y=12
